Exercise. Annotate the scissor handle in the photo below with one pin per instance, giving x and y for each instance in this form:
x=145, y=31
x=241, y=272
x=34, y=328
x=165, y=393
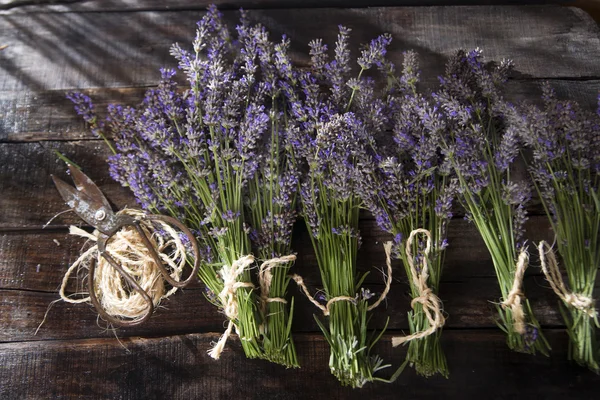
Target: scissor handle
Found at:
x=171, y=221
x=103, y=314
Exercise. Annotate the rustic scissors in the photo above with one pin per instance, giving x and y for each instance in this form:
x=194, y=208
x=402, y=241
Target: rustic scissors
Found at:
x=91, y=205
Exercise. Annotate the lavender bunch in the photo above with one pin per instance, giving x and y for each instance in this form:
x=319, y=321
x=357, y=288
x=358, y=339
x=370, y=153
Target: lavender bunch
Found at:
x=565, y=167
x=416, y=191
x=271, y=196
x=481, y=149
x=193, y=154
x=334, y=118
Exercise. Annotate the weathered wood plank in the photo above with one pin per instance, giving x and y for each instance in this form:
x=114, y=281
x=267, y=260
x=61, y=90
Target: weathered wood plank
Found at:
x=32, y=266
x=178, y=368
x=29, y=198
x=468, y=305
x=87, y=50
x=38, y=6
x=48, y=115
x=49, y=54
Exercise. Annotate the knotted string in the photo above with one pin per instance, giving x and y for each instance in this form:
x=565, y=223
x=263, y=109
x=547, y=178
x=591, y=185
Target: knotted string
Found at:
x=552, y=273
x=431, y=303
x=265, y=276
x=514, y=297
x=228, y=298
x=326, y=308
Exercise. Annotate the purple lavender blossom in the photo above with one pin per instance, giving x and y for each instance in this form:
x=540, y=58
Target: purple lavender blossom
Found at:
x=83, y=106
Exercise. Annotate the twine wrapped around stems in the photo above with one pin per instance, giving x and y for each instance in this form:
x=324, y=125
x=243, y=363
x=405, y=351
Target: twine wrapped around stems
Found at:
x=514, y=297
x=432, y=305
x=550, y=268
x=228, y=298
x=325, y=308
x=265, y=275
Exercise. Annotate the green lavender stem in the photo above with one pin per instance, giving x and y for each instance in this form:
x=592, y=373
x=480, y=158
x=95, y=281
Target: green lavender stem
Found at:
x=577, y=229
x=496, y=232
x=425, y=354
x=277, y=343
x=581, y=264
x=583, y=345
x=350, y=360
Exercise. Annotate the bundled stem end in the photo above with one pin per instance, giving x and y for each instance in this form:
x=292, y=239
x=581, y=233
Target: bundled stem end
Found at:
x=517, y=319
x=578, y=312
x=231, y=306
x=427, y=320
x=278, y=346
x=350, y=361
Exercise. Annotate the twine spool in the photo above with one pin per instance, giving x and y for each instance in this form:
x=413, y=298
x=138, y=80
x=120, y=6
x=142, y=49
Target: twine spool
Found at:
x=127, y=248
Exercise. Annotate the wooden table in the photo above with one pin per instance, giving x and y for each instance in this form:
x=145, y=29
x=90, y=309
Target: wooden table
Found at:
x=113, y=50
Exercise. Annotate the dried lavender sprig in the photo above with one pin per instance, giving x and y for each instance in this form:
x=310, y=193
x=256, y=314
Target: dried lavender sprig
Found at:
x=271, y=195
x=565, y=167
x=192, y=155
x=481, y=149
x=331, y=138
x=416, y=191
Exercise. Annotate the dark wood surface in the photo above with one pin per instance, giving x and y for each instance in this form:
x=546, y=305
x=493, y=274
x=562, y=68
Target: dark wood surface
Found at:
x=114, y=53
x=27, y=6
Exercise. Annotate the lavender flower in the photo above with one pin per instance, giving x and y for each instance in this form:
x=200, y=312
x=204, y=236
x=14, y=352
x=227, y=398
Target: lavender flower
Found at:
x=565, y=141
x=192, y=153
x=331, y=134
x=481, y=146
x=413, y=191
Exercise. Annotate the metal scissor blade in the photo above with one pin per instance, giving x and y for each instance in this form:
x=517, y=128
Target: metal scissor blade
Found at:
x=69, y=194
x=78, y=201
x=85, y=185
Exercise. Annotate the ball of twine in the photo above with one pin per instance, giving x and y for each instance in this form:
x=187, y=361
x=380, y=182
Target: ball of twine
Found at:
x=115, y=295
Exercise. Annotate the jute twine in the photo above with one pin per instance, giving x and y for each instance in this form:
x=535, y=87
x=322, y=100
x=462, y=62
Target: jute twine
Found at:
x=265, y=276
x=552, y=273
x=431, y=303
x=326, y=308
x=127, y=248
x=514, y=297
x=228, y=298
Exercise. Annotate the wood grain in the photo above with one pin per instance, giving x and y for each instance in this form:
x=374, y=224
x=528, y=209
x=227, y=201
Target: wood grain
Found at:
x=90, y=50
x=114, y=56
x=178, y=367
x=27, y=6
x=37, y=260
x=32, y=266
x=468, y=304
